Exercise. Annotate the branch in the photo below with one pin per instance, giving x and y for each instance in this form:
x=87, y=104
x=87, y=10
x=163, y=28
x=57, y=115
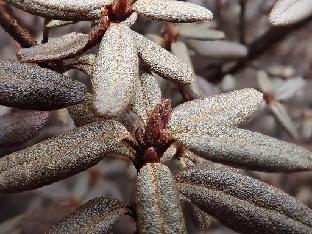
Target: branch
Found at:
x=14, y=27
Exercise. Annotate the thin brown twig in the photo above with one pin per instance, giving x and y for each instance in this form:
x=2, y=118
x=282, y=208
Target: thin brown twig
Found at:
x=242, y=22
x=14, y=27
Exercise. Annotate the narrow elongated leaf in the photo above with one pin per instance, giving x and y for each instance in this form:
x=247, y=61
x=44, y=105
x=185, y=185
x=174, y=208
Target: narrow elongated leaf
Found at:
x=264, y=82
x=85, y=64
x=58, y=23
x=172, y=11
x=147, y=95
x=190, y=91
x=157, y=201
x=282, y=116
x=96, y=216
x=218, y=49
x=67, y=46
x=84, y=113
x=18, y=127
x=247, y=149
x=201, y=219
x=243, y=203
x=199, y=32
x=289, y=88
x=28, y=86
x=116, y=71
x=162, y=62
x=65, y=9
x=60, y=157
x=229, y=109
x=290, y=11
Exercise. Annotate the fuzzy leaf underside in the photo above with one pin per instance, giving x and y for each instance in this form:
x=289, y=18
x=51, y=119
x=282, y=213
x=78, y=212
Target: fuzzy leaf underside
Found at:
x=116, y=71
x=27, y=86
x=20, y=126
x=243, y=203
x=246, y=149
x=65, y=9
x=59, y=157
x=157, y=201
x=290, y=11
x=64, y=47
x=172, y=11
x=147, y=95
x=228, y=109
x=218, y=49
x=96, y=216
x=162, y=61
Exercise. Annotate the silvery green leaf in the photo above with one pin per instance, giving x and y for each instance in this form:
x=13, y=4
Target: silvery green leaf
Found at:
x=289, y=88
x=264, y=82
x=116, y=71
x=307, y=124
x=218, y=49
x=290, y=11
x=161, y=61
x=147, y=95
x=173, y=11
x=157, y=201
x=243, y=203
x=199, y=32
x=246, y=149
x=85, y=64
x=67, y=46
x=58, y=23
x=96, y=216
x=228, y=109
x=59, y=157
x=20, y=126
x=5, y=110
x=65, y=9
x=29, y=86
x=282, y=116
